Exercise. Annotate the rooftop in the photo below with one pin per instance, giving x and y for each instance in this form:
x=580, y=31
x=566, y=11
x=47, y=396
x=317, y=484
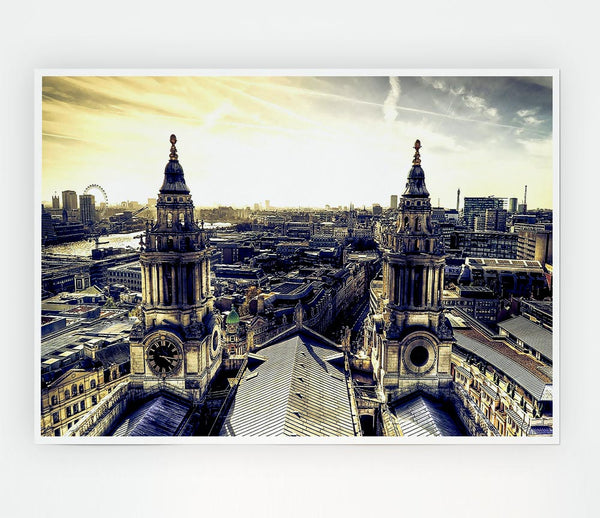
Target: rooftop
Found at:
x=422, y=417
x=294, y=387
x=523, y=369
x=531, y=334
x=161, y=416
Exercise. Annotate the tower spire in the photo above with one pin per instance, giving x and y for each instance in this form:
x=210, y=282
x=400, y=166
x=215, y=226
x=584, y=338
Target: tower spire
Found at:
x=415, y=185
x=417, y=157
x=174, y=182
x=173, y=153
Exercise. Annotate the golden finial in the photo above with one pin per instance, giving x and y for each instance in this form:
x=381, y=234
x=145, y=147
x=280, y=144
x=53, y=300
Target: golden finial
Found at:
x=173, y=153
x=417, y=157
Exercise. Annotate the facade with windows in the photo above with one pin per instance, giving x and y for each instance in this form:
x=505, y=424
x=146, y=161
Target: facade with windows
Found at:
x=67, y=399
x=129, y=275
x=499, y=391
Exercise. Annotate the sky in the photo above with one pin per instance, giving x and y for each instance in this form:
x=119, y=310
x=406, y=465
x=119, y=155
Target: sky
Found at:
x=299, y=140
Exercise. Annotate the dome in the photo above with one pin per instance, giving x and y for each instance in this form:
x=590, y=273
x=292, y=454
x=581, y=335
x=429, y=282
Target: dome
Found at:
x=233, y=317
x=174, y=182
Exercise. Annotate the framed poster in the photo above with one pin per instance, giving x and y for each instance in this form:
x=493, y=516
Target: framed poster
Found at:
x=297, y=256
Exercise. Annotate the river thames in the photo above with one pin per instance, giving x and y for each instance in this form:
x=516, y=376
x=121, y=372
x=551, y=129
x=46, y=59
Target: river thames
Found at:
x=129, y=241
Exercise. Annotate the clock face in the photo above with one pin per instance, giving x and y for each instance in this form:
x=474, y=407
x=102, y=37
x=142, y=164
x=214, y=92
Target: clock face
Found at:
x=164, y=356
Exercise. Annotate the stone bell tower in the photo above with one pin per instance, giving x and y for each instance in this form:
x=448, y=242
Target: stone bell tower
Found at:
x=177, y=345
x=411, y=349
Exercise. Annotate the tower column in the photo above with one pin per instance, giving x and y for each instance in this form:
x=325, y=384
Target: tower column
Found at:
x=200, y=280
x=424, y=287
x=399, y=284
x=206, y=279
x=412, y=287
x=173, y=285
x=161, y=287
x=147, y=285
x=430, y=285
x=183, y=284
x=196, y=284
x=436, y=279
x=156, y=285
x=144, y=285
x=392, y=284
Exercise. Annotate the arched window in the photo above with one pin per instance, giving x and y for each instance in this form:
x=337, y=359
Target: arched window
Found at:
x=170, y=219
x=74, y=390
x=182, y=219
x=54, y=400
x=93, y=384
x=81, y=388
x=67, y=394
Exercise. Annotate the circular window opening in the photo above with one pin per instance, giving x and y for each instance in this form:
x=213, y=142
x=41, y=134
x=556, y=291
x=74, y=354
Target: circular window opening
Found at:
x=419, y=356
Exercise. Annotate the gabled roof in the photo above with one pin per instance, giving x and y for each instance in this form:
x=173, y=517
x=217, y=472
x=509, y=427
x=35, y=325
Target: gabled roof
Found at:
x=530, y=334
x=421, y=417
x=116, y=354
x=533, y=384
x=296, y=386
x=160, y=416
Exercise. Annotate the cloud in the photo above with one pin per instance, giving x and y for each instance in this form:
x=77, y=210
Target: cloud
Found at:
x=480, y=105
x=528, y=117
x=389, y=106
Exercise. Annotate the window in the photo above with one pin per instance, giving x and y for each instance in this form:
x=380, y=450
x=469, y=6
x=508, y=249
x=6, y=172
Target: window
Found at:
x=94, y=400
x=69, y=425
x=74, y=390
x=57, y=432
x=67, y=394
x=82, y=406
x=75, y=408
x=69, y=414
x=114, y=375
x=54, y=400
x=81, y=388
x=93, y=384
x=55, y=417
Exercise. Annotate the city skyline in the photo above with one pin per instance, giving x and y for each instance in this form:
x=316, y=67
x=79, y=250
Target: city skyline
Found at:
x=349, y=136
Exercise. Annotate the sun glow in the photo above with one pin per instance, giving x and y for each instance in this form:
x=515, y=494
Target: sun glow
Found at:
x=297, y=141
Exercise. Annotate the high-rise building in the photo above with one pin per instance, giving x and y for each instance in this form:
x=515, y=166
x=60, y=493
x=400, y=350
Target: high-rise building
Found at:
x=267, y=204
x=394, y=201
x=177, y=346
x=87, y=208
x=535, y=246
x=412, y=349
x=495, y=219
x=512, y=205
x=377, y=209
x=476, y=206
x=55, y=202
x=69, y=200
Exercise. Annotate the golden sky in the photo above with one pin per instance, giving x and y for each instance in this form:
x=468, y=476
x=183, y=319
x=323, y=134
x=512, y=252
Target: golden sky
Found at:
x=299, y=141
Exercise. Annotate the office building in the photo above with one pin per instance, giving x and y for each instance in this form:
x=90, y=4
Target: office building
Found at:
x=87, y=209
x=69, y=200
